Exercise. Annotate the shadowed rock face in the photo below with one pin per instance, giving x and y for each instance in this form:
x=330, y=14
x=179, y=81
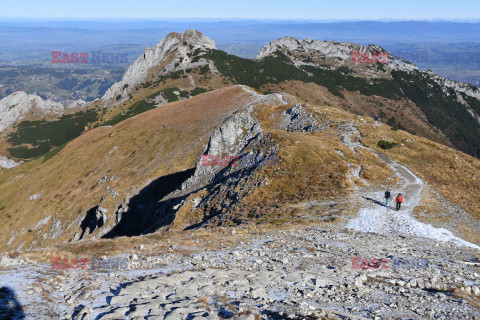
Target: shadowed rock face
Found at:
x=146, y=211
x=94, y=219
x=10, y=308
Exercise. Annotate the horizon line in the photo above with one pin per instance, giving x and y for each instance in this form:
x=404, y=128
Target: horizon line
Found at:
x=243, y=19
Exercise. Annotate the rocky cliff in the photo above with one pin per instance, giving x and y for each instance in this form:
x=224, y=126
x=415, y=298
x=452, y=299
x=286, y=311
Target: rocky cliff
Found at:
x=310, y=52
x=19, y=105
x=172, y=53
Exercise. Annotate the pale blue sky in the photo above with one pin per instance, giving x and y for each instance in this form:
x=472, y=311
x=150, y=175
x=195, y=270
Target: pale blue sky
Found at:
x=256, y=9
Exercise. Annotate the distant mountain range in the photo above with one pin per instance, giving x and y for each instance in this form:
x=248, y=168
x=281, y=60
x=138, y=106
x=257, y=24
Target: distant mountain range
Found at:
x=449, y=48
x=30, y=41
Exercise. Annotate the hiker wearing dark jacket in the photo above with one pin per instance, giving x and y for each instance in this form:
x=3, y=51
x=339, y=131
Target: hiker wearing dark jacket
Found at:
x=399, y=200
x=387, y=197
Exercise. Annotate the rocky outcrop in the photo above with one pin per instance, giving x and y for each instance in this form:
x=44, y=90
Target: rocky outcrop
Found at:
x=236, y=150
x=8, y=163
x=77, y=104
x=18, y=105
x=174, y=52
x=306, y=52
x=459, y=87
x=230, y=139
x=297, y=119
x=94, y=219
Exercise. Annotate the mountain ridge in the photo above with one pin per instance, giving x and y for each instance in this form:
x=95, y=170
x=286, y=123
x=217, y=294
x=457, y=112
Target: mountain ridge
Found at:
x=326, y=63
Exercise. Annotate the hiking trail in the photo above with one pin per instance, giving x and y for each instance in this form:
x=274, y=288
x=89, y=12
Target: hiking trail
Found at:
x=375, y=217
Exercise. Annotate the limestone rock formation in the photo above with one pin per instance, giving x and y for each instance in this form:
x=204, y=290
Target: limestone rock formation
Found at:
x=16, y=106
x=340, y=51
x=8, y=163
x=172, y=53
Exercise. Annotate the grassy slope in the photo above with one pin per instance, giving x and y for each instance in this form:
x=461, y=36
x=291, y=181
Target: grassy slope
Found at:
x=309, y=168
x=69, y=180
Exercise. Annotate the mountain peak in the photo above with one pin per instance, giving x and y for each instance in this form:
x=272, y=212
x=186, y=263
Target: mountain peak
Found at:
x=195, y=37
x=291, y=44
x=174, y=52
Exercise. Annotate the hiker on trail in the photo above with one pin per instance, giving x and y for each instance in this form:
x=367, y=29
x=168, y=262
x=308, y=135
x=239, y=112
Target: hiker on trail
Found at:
x=399, y=200
x=387, y=197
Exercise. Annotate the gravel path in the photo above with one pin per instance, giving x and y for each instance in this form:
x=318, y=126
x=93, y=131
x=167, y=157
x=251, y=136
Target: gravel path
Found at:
x=374, y=216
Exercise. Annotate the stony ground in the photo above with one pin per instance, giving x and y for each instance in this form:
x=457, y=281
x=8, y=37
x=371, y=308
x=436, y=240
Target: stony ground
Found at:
x=303, y=273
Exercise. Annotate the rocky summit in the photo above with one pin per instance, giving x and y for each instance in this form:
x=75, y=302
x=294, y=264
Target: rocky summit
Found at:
x=207, y=186
x=173, y=53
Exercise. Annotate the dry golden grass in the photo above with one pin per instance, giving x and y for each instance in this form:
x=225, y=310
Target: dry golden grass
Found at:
x=309, y=169
x=146, y=151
